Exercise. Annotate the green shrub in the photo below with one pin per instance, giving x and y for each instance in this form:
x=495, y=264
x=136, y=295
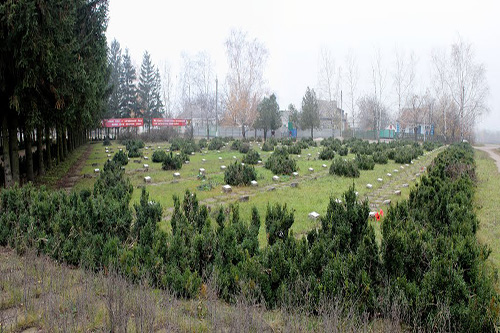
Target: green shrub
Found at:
x=236, y=145
x=134, y=152
x=278, y=222
x=365, y=162
x=158, y=156
x=344, y=168
x=238, y=174
x=106, y=142
x=252, y=157
x=120, y=158
x=294, y=149
x=244, y=148
x=343, y=151
x=267, y=146
x=173, y=162
x=216, y=144
x=380, y=157
x=280, y=163
x=203, y=143
x=327, y=153
x=131, y=144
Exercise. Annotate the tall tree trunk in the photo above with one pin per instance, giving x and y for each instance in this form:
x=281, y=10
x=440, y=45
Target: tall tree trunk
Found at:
x=39, y=148
x=6, y=155
x=64, y=142
x=265, y=135
x=243, y=130
x=58, y=145
x=14, y=148
x=48, y=148
x=29, y=155
x=312, y=128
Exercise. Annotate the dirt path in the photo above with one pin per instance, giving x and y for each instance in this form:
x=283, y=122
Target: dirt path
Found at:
x=73, y=175
x=491, y=150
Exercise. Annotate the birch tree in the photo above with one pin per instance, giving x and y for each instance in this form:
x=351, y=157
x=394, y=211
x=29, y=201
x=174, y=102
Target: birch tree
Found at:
x=351, y=78
x=245, y=78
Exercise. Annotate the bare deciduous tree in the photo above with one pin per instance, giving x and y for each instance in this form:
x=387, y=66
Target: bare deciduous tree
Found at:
x=461, y=88
x=372, y=114
x=168, y=89
x=245, y=78
x=329, y=82
x=352, y=77
x=379, y=75
x=403, y=77
x=204, y=94
x=468, y=86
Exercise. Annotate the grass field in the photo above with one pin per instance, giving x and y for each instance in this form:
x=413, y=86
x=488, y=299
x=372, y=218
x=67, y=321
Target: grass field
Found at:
x=488, y=203
x=312, y=194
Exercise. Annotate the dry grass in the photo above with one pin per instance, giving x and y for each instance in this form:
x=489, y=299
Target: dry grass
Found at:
x=40, y=295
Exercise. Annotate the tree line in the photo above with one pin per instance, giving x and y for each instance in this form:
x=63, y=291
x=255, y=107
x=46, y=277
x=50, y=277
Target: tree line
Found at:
x=453, y=99
x=53, y=80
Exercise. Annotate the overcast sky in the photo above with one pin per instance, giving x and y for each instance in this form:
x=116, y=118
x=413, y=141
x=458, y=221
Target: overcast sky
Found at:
x=295, y=31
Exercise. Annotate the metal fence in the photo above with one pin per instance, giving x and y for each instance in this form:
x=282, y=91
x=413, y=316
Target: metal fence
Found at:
x=236, y=132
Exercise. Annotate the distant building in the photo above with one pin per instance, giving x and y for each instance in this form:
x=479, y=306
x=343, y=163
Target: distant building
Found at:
x=329, y=115
x=413, y=122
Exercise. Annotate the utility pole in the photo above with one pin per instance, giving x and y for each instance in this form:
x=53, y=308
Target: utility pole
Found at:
x=216, y=105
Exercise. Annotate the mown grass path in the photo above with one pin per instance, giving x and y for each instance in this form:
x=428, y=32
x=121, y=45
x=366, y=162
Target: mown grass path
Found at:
x=487, y=200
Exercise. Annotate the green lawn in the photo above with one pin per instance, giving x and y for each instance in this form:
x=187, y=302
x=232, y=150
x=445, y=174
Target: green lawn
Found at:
x=488, y=203
x=313, y=193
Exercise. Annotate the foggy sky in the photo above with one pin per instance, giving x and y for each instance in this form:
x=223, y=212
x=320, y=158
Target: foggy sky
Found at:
x=295, y=31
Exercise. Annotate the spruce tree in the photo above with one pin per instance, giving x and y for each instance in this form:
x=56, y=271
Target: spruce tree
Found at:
x=146, y=89
x=128, y=103
x=116, y=71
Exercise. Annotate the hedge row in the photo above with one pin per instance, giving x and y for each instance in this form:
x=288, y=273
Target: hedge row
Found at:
x=430, y=264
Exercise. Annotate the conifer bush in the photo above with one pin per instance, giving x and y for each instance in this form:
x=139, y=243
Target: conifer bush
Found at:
x=237, y=174
x=267, y=146
x=280, y=163
x=327, y=153
x=252, y=157
x=365, y=162
x=120, y=158
x=158, y=156
x=216, y=144
x=174, y=162
x=244, y=148
x=294, y=149
x=344, y=168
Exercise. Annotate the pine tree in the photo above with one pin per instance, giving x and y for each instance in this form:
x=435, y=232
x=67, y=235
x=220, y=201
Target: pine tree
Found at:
x=158, y=109
x=116, y=71
x=268, y=115
x=310, y=111
x=146, y=89
x=128, y=103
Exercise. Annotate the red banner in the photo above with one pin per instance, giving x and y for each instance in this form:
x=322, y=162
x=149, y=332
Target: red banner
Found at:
x=170, y=122
x=123, y=122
